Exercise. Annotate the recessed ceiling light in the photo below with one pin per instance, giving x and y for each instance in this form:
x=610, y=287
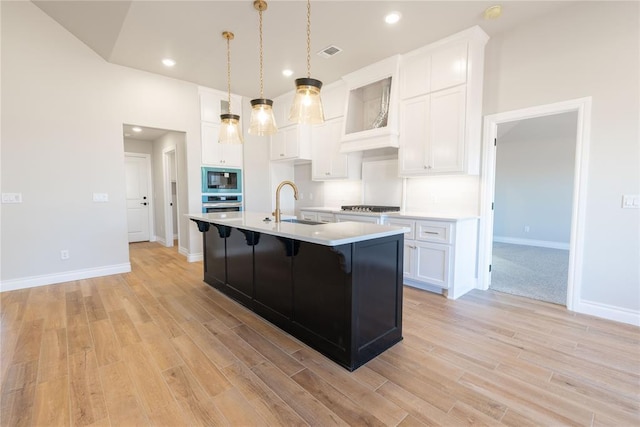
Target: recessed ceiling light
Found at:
x=287, y=72
x=168, y=62
x=392, y=17
x=493, y=12
x=136, y=129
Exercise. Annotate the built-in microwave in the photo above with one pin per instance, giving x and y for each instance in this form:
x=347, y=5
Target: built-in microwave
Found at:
x=221, y=181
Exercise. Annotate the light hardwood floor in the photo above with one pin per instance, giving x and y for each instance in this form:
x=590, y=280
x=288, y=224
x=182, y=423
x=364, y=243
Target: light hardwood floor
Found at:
x=159, y=347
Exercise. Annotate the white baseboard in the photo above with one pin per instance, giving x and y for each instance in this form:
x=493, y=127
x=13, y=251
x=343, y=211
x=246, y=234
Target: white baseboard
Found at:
x=193, y=257
x=159, y=240
x=531, y=242
x=610, y=312
x=67, y=276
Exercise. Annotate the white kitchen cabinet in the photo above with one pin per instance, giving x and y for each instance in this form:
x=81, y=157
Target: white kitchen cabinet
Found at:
x=216, y=154
x=333, y=99
x=292, y=143
x=213, y=103
x=375, y=219
x=327, y=162
x=326, y=217
x=433, y=133
x=439, y=255
x=441, y=106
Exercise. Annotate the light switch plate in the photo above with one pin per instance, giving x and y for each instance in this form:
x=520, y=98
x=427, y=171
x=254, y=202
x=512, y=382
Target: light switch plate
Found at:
x=100, y=197
x=631, y=201
x=11, y=197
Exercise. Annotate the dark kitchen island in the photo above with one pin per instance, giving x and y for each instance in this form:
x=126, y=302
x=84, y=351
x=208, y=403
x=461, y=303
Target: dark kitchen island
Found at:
x=337, y=287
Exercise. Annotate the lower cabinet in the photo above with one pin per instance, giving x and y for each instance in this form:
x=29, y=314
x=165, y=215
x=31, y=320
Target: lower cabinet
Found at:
x=317, y=216
x=440, y=256
x=344, y=301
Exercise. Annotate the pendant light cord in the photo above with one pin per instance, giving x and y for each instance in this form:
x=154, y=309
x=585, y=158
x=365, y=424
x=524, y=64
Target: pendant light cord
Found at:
x=229, y=71
x=261, y=75
x=309, y=38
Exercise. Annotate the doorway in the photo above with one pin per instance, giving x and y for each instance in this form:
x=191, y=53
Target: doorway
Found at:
x=501, y=124
x=534, y=171
x=170, y=180
x=166, y=197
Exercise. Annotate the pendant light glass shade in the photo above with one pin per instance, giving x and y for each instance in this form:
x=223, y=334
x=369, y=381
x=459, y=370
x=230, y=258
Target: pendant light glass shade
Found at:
x=307, y=104
x=230, y=132
x=262, y=121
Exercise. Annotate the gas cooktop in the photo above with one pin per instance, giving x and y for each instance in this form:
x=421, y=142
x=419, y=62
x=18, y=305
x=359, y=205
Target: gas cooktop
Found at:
x=370, y=208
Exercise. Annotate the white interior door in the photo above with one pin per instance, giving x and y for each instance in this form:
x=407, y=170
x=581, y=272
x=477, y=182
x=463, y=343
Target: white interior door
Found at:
x=138, y=190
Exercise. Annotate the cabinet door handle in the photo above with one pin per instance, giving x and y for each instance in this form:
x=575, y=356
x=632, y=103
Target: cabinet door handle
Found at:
x=427, y=167
x=281, y=154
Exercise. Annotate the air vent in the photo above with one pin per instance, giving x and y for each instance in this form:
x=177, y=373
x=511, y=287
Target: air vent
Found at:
x=329, y=51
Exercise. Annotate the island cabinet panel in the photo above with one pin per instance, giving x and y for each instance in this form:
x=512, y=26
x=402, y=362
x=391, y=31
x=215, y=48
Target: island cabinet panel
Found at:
x=322, y=297
x=215, y=266
x=240, y=244
x=273, y=282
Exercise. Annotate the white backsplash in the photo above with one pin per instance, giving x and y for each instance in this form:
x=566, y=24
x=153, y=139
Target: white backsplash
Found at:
x=311, y=193
x=338, y=193
x=443, y=194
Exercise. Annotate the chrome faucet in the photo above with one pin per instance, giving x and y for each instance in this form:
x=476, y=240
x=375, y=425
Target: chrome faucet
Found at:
x=277, y=212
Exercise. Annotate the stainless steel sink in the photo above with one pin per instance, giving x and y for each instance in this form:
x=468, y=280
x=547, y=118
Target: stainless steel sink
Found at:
x=301, y=221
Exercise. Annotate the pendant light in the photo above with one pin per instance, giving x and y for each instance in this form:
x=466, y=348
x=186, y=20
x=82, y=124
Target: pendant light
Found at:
x=307, y=105
x=262, y=120
x=230, y=132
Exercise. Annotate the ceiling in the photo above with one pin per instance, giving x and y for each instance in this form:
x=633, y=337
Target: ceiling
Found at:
x=143, y=133
x=139, y=34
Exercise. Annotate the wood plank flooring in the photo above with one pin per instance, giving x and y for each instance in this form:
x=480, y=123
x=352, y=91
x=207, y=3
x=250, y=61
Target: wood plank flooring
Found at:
x=160, y=347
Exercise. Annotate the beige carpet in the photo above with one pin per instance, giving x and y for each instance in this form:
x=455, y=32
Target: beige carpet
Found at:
x=530, y=271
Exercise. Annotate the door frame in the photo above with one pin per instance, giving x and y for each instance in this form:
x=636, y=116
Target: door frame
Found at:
x=578, y=211
x=166, y=179
x=147, y=157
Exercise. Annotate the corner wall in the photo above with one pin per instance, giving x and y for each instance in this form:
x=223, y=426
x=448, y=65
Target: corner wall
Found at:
x=586, y=49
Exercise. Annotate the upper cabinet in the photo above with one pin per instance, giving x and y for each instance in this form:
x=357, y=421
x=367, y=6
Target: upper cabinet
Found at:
x=441, y=106
x=292, y=142
x=216, y=154
x=327, y=162
x=212, y=104
x=371, y=107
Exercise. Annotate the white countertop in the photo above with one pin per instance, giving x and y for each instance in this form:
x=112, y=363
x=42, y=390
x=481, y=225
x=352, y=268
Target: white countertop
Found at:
x=328, y=234
x=401, y=214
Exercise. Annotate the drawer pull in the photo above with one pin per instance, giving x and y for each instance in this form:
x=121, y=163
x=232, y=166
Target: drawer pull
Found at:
x=431, y=232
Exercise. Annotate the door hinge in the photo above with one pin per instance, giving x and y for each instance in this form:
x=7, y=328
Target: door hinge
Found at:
x=495, y=142
x=491, y=205
x=489, y=268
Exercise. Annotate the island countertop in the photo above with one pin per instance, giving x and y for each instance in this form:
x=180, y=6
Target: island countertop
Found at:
x=328, y=234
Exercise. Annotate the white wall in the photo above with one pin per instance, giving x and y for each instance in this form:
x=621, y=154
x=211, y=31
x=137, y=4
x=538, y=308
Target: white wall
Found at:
x=586, y=49
x=443, y=194
x=534, y=179
x=63, y=108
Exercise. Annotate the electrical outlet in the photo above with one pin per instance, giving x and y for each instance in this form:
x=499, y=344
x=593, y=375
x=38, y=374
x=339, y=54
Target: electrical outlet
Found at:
x=630, y=201
x=64, y=254
x=527, y=229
